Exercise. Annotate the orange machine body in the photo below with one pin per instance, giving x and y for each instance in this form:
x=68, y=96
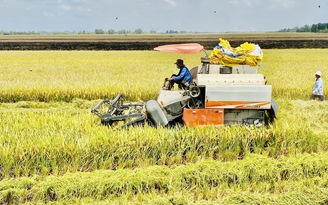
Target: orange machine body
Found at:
x=203, y=117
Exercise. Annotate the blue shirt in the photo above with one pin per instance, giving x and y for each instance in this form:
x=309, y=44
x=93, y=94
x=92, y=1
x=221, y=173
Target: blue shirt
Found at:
x=183, y=75
x=318, y=87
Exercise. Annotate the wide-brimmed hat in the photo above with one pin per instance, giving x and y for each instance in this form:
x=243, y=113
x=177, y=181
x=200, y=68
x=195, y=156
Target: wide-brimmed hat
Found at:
x=318, y=73
x=179, y=62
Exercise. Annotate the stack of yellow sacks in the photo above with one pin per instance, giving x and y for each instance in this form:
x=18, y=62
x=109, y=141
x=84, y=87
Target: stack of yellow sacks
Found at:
x=246, y=53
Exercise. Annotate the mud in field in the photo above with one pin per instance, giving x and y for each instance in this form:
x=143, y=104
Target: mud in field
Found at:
x=85, y=45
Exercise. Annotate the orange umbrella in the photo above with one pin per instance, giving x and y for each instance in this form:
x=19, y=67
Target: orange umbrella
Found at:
x=185, y=48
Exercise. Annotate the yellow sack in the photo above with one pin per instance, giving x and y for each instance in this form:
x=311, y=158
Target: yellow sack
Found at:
x=218, y=57
x=246, y=53
x=224, y=43
x=253, y=60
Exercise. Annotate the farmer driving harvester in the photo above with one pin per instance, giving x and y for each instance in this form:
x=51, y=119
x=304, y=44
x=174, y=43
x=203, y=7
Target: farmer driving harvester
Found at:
x=183, y=78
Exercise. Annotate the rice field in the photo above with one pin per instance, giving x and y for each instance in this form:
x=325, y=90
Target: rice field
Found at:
x=54, y=151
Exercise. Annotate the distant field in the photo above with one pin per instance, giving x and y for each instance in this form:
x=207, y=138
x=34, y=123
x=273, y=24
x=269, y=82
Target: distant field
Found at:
x=163, y=37
x=149, y=41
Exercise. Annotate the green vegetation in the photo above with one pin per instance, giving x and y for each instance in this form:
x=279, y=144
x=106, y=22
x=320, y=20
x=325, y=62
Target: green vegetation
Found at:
x=53, y=150
x=316, y=28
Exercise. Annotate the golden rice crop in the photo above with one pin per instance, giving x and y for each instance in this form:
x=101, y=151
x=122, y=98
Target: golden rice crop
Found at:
x=53, y=138
x=53, y=150
x=255, y=179
x=291, y=71
x=65, y=75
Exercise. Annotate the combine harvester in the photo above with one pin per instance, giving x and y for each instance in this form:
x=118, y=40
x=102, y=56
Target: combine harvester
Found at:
x=226, y=90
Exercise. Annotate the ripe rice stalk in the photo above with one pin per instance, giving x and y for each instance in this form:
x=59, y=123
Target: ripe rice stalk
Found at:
x=257, y=173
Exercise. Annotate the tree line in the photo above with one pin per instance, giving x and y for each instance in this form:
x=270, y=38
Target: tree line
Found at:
x=315, y=28
x=137, y=31
x=96, y=31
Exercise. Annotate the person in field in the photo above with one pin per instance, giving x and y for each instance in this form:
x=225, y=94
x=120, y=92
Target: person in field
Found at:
x=183, y=78
x=318, y=87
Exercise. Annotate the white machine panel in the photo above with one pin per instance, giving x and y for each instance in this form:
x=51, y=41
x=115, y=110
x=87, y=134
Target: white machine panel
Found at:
x=238, y=96
x=230, y=79
x=167, y=97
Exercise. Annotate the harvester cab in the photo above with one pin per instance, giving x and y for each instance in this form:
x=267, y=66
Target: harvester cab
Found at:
x=220, y=94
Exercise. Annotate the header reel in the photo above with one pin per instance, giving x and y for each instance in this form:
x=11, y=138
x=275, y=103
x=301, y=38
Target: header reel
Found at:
x=116, y=113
